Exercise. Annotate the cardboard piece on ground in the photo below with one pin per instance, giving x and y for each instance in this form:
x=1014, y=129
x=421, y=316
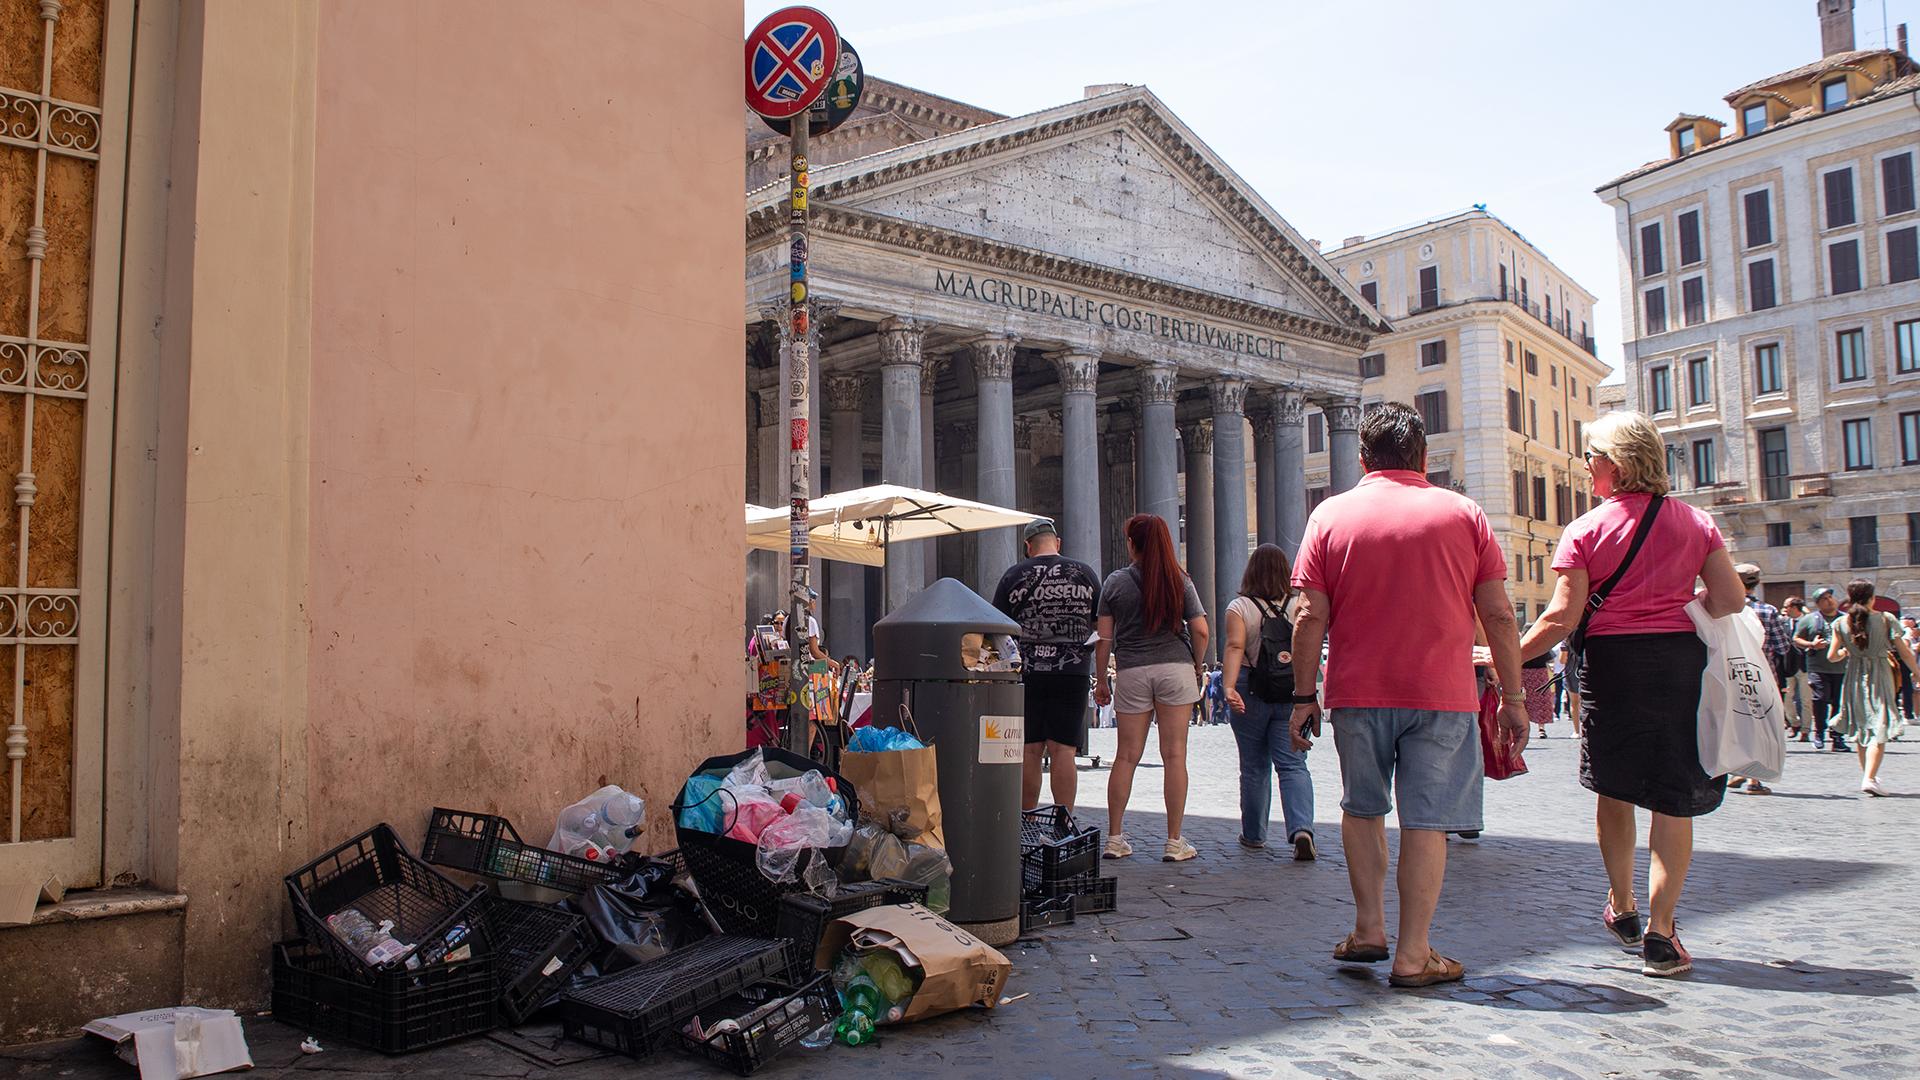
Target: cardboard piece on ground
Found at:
x=19, y=898
x=177, y=1043
x=957, y=970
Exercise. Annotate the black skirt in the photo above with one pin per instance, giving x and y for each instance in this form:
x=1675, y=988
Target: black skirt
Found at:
x=1639, y=719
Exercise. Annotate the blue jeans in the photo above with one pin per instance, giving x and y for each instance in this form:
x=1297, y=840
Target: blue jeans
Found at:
x=1266, y=747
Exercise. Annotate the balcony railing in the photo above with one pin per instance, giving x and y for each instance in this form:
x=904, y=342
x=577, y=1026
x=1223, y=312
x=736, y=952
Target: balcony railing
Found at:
x=1425, y=301
x=1773, y=488
x=1561, y=325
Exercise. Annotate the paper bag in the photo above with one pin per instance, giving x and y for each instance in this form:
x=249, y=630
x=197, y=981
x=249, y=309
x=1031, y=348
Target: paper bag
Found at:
x=954, y=969
x=900, y=789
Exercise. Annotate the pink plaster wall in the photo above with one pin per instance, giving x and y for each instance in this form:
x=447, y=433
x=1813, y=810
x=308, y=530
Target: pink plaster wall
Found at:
x=527, y=433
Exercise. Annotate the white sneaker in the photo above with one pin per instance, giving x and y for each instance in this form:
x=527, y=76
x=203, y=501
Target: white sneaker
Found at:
x=1117, y=846
x=1871, y=785
x=1178, y=850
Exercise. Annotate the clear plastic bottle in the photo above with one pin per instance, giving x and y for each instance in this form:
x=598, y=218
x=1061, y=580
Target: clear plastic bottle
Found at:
x=376, y=943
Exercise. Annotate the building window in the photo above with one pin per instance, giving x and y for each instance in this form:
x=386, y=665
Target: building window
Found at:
x=1370, y=291
x=1513, y=411
x=1573, y=385
x=1865, y=535
x=1693, y=301
x=1519, y=496
x=1509, y=353
x=1903, y=254
x=1838, y=185
x=1441, y=479
x=1433, y=353
x=1759, y=214
x=1913, y=539
x=1910, y=438
x=1688, y=226
x=1656, y=302
x=1579, y=435
x=1539, y=500
x=1760, y=294
x=1660, y=390
x=1779, y=534
x=1773, y=463
x=1843, y=267
x=1503, y=283
x=1703, y=475
x=1766, y=369
x=1850, y=353
x=1753, y=118
x=1316, y=496
x=1373, y=365
x=1533, y=363
x=1906, y=347
x=1553, y=376
x=1433, y=410
x=1316, y=433
x=1562, y=504
x=1856, y=437
x=1533, y=418
x=1686, y=139
x=1556, y=429
x=1579, y=501
x=1676, y=464
x=1833, y=94
x=1429, y=287
x=1699, y=383
x=1652, y=259
x=1896, y=184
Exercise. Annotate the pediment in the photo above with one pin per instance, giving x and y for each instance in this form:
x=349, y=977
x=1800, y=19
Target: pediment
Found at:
x=1114, y=183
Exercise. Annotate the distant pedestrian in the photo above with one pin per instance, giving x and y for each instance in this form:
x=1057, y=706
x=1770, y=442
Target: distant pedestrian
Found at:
x=1793, y=691
x=1258, y=672
x=1870, y=644
x=1640, y=670
x=1911, y=633
x=1397, y=569
x=1778, y=643
x=1152, y=623
x=1053, y=598
x=1825, y=677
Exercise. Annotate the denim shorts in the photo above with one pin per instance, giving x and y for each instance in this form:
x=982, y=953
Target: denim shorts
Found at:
x=1431, y=759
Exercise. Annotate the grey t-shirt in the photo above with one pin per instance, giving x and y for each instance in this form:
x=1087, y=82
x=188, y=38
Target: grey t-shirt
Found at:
x=1133, y=646
x=1816, y=627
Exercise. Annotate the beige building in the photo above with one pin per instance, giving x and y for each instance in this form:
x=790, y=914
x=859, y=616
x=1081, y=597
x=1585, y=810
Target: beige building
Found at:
x=360, y=370
x=1493, y=344
x=1770, y=290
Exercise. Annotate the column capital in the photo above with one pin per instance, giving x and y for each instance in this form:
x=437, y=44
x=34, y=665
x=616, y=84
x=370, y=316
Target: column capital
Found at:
x=993, y=357
x=1197, y=436
x=930, y=369
x=966, y=435
x=1229, y=396
x=1079, y=372
x=1159, y=383
x=1289, y=407
x=846, y=390
x=900, y=341
x=770, y=397
x=1342, y=415
x=1263, y=416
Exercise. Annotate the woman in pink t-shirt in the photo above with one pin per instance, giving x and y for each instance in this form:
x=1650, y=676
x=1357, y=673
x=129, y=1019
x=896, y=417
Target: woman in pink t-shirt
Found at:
x=1639, y=671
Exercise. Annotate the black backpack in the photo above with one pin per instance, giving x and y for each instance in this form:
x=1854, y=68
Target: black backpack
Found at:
x=1271, y=678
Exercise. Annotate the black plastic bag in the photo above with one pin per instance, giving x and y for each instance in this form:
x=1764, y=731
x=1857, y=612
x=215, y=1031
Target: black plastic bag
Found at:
x=640, y=916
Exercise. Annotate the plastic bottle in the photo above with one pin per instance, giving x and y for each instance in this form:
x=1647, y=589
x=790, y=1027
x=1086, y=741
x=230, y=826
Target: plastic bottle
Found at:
x=376, y=943
x=864, y=1006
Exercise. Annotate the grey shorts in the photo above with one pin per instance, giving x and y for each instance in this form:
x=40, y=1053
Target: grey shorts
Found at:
x=1430, y=758
x=1139, y=689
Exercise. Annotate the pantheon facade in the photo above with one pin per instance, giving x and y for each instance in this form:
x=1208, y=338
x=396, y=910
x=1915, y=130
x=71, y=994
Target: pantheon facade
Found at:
x=1082, y=312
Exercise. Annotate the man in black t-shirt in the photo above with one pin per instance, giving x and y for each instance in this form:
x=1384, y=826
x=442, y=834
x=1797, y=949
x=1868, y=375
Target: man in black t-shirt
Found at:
x=1052, y=597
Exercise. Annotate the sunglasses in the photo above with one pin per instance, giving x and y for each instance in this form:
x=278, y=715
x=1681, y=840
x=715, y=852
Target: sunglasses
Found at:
x=1591, y=454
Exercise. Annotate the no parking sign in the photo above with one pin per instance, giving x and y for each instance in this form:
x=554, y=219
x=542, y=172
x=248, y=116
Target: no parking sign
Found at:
x=791, y=56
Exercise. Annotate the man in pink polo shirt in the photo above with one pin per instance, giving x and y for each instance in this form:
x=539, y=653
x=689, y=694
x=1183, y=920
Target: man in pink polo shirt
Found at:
x=1398, y=568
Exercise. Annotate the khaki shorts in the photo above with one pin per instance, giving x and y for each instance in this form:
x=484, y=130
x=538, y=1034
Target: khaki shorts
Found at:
x=1139, y=689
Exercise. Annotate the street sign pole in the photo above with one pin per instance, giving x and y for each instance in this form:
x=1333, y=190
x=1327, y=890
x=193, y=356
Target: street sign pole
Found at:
x=799, y=442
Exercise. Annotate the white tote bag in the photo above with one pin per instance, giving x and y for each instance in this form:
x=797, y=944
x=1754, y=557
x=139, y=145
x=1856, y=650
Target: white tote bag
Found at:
x=1742, y=719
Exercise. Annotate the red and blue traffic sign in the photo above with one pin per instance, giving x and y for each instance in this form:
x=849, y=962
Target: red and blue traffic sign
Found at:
x=791, y=56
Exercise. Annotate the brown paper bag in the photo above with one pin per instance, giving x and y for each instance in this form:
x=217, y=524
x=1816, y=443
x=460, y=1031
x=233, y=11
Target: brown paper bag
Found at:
x=955, y=969
x=889, y=781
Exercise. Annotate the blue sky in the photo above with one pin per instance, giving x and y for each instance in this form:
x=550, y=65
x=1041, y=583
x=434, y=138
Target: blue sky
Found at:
x=1356, y=116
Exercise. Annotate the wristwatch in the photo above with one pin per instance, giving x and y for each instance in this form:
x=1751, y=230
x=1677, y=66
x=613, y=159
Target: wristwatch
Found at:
x=1307, y=698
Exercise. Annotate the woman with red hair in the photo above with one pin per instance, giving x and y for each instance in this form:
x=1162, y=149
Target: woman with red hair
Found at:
x=1151, y=623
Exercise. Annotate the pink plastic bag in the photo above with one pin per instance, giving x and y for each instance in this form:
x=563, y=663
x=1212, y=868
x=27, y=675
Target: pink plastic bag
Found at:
x=750, y=816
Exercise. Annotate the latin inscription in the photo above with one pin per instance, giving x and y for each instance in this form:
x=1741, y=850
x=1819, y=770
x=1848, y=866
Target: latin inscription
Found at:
x=1107, y=313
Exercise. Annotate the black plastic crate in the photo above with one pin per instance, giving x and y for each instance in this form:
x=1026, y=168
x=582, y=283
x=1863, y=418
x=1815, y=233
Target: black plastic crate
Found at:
x=487, y=844
x=727, y=871
x=375, y=874
x=536, y=949
x=1091, y=895
x=788, y=1012
x=804, y=916
x=1054, y=848
x=397, y=1013
x=1041, y=912
x=632, y=1012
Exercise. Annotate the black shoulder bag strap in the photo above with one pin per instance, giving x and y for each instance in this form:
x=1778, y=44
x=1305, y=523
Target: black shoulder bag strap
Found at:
x=1597, y=597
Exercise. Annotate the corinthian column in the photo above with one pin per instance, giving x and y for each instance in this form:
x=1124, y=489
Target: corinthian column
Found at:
x=846, y=582
x=1159, y=454
x=1196, y=438
x=1080, y=457
x=1260, y=411
x=1229, y=398
x=1289, y=470
x=900, y=442
x=993, y=378
x=1343, y=445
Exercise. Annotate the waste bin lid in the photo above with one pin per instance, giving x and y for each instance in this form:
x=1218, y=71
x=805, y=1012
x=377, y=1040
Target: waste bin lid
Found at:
x=927, y=636
x=948, y=603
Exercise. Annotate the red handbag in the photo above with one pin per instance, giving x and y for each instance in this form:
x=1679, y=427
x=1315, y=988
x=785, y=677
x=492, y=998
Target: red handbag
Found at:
x=1500, y=765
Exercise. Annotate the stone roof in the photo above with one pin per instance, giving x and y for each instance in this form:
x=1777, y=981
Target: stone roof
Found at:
x=1808, y=71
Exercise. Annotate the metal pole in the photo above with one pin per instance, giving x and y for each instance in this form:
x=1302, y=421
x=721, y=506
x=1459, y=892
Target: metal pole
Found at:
x=799, y=464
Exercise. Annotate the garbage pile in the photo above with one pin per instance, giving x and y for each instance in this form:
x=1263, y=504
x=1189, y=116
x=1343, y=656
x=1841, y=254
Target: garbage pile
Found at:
x=790, y=914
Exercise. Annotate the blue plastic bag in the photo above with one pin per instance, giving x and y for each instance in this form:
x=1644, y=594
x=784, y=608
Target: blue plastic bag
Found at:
x=872, y=740
x=703, y=805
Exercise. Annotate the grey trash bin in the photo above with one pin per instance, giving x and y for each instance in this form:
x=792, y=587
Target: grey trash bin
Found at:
x=946, y=655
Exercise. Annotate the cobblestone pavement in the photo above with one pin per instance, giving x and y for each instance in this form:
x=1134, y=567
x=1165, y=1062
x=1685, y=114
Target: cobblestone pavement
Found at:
x=1800, y=913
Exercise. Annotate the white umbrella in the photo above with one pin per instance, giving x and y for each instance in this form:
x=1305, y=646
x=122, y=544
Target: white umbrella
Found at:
x=856, y=526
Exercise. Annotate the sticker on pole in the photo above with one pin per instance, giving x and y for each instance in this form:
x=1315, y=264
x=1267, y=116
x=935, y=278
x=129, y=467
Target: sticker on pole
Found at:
x=1002, y=740
x=791, y=56
x=842, y=96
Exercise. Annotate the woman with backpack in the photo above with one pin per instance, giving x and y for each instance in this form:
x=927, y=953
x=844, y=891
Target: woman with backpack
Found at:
x=1258, y=675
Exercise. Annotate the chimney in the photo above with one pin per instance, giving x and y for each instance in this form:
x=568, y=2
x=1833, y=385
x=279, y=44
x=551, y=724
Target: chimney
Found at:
x=1901, y=35
x=1097, y=89
x=1352, y=240
x=1836, y=26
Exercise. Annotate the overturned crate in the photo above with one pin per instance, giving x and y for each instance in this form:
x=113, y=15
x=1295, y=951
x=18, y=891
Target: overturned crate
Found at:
x=634, y=1011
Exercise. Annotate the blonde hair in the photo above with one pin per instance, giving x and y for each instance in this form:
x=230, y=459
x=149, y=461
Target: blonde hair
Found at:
x=1633, y=444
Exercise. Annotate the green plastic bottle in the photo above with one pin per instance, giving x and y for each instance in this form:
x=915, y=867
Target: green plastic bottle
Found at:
x=863, y=1005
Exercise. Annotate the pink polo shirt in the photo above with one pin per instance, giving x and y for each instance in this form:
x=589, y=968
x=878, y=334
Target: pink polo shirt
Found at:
x=1653, y=594
x=1399, y=559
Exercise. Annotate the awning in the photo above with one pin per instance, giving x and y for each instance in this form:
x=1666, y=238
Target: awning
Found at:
x=855, y=526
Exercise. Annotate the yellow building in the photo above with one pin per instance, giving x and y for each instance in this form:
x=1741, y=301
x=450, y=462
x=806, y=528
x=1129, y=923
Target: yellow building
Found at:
x=1494, y=345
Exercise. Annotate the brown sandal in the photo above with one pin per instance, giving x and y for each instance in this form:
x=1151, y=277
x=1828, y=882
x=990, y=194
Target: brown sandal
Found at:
x=1438, y=970
x=1350, y=951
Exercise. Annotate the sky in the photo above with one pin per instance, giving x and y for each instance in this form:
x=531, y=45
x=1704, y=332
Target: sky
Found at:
x=1358, y=116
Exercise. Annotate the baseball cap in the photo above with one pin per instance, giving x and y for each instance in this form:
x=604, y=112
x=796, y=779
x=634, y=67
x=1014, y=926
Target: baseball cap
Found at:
x=1822, y=591
x=1038, y=527
x=1749, y=573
